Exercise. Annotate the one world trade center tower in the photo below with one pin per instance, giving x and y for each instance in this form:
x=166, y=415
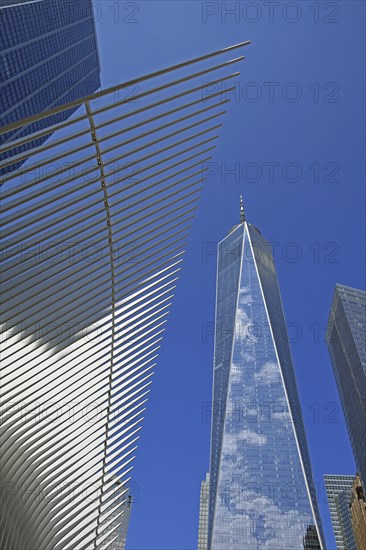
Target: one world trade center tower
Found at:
x=261, y=493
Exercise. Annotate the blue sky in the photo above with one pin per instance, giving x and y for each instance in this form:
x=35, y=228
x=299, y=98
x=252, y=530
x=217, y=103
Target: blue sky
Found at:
x=294, y=136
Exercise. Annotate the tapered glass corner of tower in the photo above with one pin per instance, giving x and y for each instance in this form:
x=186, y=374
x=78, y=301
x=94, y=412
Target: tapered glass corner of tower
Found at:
x=261, y=486
x=49, y=57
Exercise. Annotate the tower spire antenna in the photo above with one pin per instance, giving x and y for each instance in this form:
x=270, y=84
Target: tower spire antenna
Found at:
x=242, y=211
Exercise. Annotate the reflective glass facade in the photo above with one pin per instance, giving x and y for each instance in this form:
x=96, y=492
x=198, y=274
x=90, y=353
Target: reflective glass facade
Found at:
x=48, y=57
x=261, y=489
x=339, y=490
x=203, y=523
x=347, y=349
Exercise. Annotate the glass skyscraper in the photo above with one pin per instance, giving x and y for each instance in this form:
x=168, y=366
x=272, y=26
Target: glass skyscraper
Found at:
x=48, y=57
x=261, y=487
x=203, y=522
x=347, y=349
x=339, y=490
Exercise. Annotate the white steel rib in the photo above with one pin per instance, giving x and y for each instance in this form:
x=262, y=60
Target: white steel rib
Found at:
x=94, y=225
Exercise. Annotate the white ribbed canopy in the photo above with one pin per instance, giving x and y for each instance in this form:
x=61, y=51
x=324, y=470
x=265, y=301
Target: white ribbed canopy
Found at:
x=94, y=226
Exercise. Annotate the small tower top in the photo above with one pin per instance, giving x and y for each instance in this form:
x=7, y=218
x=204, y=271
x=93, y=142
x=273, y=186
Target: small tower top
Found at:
x=242, y=211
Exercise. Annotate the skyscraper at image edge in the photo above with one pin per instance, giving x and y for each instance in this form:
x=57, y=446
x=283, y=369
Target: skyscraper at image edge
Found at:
x=346, y=338
x=49, y=57
x=261, y=486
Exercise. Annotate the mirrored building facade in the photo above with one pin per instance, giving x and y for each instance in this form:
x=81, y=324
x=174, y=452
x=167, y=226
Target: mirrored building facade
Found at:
x=346, y=340
x=261, y=488
x=48, y=57
x=203, y=522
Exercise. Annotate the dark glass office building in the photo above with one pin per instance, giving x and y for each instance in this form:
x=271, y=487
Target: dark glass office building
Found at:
x=48, y=57
x=346, y=339
x=261, y=487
